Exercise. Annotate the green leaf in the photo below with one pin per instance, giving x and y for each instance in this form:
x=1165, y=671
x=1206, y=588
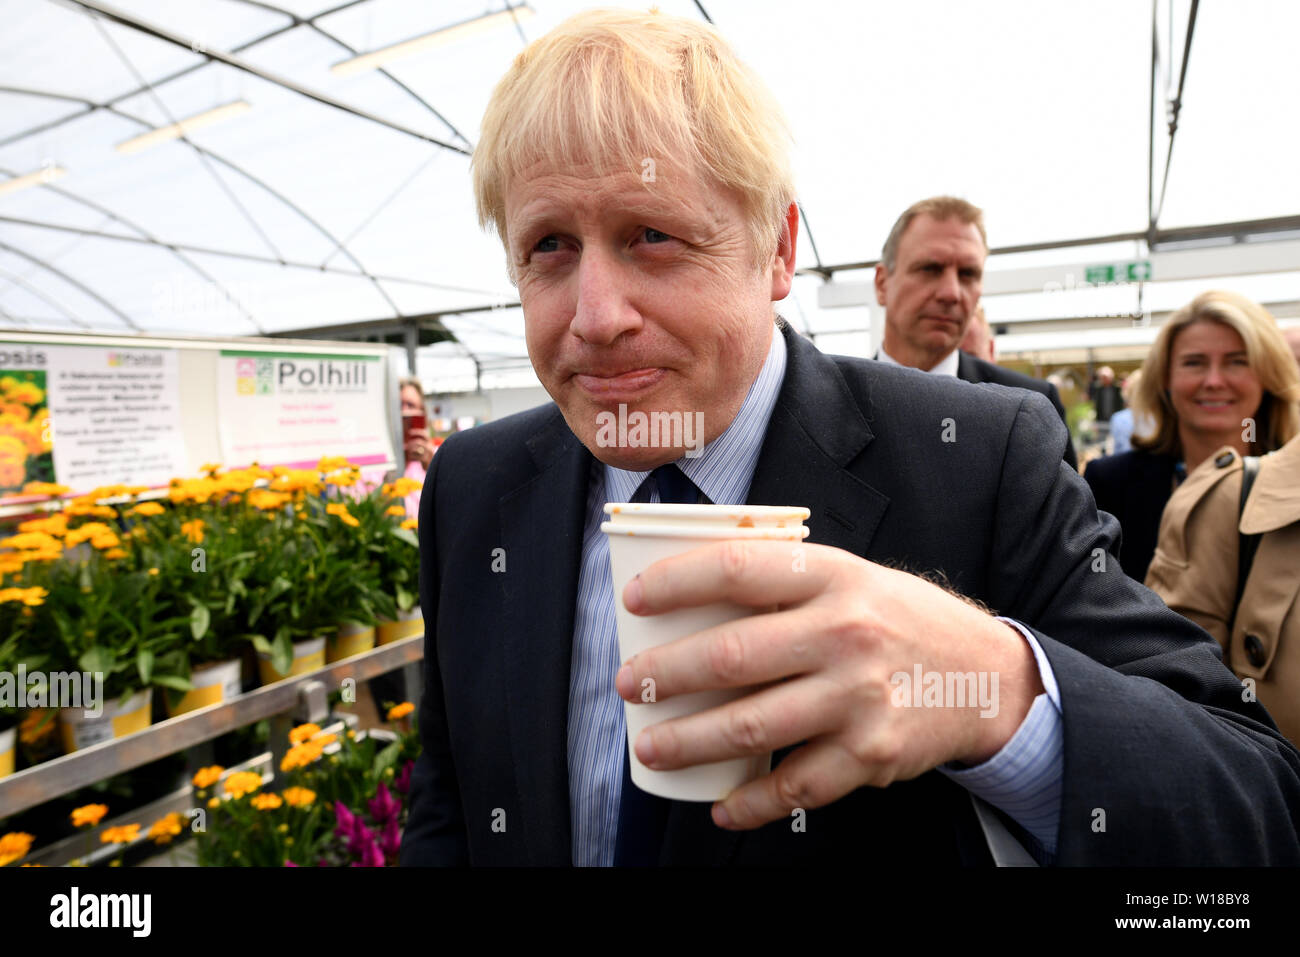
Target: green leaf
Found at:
x=386, y=759
x=200, y=618
x=405, y=599
x=144, y=663
x=406, y=535
x=260, y=643
x=98, y=659
x=173, y=681
x=282, y=651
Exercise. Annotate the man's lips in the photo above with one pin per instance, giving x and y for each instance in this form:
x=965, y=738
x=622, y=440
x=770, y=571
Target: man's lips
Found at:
x=613, y=384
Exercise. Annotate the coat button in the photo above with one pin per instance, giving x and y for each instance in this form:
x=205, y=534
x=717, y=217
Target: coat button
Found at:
x=1224, y=460
x=1255, y=650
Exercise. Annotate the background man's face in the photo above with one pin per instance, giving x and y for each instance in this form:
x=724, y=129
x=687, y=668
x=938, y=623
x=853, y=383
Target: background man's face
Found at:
x=640, y=294
x=932, y=290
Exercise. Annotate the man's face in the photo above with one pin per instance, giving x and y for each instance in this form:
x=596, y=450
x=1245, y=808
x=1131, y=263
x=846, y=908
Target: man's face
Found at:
x=645, y=295
x=932, y=290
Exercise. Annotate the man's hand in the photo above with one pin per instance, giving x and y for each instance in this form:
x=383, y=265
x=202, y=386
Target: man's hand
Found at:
x=834, y=634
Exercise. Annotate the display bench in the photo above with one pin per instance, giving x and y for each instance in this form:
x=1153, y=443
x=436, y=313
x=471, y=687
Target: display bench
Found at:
x=300, y=698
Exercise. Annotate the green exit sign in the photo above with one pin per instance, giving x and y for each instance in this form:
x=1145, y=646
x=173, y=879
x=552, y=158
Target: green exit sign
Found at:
x=1139, y=271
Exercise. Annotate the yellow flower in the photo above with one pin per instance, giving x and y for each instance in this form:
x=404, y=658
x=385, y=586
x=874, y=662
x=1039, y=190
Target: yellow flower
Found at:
x=210, y=467
x=14, y=845
x=299, y=797
x=303, y=733
x=90, y=814
x=206, y=777
x=398, y=510
x=86, y=532
x=45, y=488
x=55, y=525
x=344, y=478
x=325, y=740
x=402, y=487
x=31, y=540
x=266, y=500
x=28, y=596
x=115, y=553
x=266, y=802
x=153, y=571
x=342, y=512
x=27, y=392
x=214, y=802
x=332, y=463
x=301, y=755
x=164, y=829
x=398, y=711
x=243, y=782
x=147, y=509
x=193, y=530
x=123, y=834
x=410, y=523
x=107, y=540
x=84, y=508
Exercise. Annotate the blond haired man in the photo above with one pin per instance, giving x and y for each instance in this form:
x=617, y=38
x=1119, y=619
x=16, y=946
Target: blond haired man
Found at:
x=637, y=175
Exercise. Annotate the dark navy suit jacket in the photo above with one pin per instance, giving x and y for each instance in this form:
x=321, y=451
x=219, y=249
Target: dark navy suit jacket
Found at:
x=1156, y=734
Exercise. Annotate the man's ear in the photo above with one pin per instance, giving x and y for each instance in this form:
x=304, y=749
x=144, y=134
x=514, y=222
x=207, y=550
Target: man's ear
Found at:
x=881, y=276
x=783, y=264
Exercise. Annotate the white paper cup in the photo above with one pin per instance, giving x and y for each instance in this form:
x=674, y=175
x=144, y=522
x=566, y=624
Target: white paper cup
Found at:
x=640, y=535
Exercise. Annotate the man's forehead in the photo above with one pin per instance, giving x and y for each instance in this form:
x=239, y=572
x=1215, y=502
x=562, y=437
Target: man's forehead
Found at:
x=951, y=238
x=545, y=190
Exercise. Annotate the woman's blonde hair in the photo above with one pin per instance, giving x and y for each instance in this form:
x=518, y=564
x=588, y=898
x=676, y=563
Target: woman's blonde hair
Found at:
x=1278, y=417
x=626, y=91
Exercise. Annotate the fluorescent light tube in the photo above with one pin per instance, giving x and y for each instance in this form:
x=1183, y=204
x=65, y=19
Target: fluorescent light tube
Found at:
x=175, y=131
x=452, y=34
x=46, y=174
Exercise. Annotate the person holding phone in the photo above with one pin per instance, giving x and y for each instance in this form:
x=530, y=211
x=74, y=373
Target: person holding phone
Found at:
x=417, y=443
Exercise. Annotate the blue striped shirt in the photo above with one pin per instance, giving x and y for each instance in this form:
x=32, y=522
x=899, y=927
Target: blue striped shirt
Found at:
x=1023, y=779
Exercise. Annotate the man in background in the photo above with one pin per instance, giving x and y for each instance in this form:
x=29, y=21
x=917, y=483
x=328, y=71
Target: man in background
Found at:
x=929, y=280
x=978, y=340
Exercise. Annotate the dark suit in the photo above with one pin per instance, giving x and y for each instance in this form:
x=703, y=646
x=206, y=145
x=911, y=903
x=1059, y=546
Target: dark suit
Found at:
x=977, y=370
x=1184, y=776
x=1134, y=487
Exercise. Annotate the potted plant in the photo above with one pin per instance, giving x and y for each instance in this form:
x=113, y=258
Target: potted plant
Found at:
x=399, y=564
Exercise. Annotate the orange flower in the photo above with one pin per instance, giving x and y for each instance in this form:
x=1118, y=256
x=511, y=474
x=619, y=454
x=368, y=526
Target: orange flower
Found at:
x=206, y=777
x=56, y=524
x=107, y=540
x=14, y=845
x=299, y=797
x=331, y=463
x=123, y=834
x=193, y=530
x=301, y=755
x=266, y=802
x=90, y=814
x=342, y=512
x=410, y=523
x=36, y=540
x=243, y=782
x=399, y=711
x=45, y=488
x=164, y=829
x=86, y=532
x=398, y=510
x=402, y=487
x=147, y=509
x=98, y=511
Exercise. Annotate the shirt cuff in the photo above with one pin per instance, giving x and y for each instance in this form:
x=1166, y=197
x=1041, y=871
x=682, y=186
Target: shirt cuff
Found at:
x=1024, y=779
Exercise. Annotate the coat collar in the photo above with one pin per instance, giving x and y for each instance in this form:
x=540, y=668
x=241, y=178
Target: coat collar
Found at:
x=817, y=428
x=1275, y=499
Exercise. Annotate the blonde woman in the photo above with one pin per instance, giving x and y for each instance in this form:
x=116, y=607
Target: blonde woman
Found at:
x=1219, y=373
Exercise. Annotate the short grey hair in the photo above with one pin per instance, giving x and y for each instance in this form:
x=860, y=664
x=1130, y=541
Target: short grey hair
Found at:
x=937, y=207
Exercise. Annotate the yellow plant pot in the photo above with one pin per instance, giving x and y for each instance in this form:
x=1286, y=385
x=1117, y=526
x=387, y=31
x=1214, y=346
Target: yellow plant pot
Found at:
x=213, y=683
x=307, y=656
x=408, y=623
x=7, y=739
x=353, y=638
x=117, y=720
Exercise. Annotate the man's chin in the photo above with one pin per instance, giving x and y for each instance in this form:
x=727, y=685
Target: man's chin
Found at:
x=632, y=460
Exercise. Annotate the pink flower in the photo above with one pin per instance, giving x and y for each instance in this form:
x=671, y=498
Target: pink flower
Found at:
x=403, y=782
x=371, y=856
x=290, y=864
x=391, y=841
x=383, y=806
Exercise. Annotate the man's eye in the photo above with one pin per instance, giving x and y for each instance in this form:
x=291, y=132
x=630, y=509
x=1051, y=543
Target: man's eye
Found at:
x=547, y=244
x=655, y=236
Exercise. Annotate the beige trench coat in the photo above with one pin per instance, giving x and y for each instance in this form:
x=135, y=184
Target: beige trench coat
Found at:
x=1195, y=571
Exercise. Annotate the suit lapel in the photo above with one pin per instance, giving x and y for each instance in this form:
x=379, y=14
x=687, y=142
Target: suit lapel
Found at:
x=541, y=530
x=817, y=428
x=969, y=370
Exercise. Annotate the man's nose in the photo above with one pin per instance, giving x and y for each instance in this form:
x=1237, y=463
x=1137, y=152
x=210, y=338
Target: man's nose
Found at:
x=949, y=288
x=602, y=312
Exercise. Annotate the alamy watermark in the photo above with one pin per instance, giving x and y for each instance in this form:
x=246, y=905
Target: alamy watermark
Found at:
x=653, y=430
x=946, y=689
x=54, y=689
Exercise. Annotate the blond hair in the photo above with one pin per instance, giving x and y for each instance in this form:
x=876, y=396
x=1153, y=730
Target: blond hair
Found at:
x=1278, y=416
x=936, y=207
x=613, y=89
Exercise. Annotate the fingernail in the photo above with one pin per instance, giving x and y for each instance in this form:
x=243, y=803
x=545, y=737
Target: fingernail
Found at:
x=645, y=748
x=632, y=594
x=623, y=681
x=721, y=817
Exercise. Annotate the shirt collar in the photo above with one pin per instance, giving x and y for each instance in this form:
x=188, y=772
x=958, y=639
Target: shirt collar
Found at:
x=724, y=468
x=946, y=366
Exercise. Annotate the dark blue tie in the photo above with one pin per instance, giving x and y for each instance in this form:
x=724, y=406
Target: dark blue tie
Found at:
x=643, y=817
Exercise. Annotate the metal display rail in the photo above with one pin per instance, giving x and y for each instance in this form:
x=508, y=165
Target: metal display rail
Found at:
x=300, y=696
